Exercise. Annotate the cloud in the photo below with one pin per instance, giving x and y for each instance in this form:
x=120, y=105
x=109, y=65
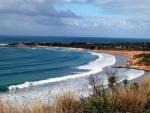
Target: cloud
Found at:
x=116, y=17
x=32, y=8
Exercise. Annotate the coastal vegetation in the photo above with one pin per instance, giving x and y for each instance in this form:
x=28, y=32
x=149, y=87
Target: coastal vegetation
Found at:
x=144, y=58
x=126, y=98
x=106, y=46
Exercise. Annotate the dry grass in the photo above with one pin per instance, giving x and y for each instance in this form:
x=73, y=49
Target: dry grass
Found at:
x=66, y=103
x=23, y=109
x=1, y=107
x=130, y=101
x=134, y=100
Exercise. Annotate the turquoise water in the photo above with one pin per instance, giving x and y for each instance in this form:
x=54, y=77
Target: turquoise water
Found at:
x=19, y=65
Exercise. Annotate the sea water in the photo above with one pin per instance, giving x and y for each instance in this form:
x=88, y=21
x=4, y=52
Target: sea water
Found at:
x=20, y=65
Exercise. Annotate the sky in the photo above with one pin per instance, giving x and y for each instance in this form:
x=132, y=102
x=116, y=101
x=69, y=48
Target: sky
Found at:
x=85, y=18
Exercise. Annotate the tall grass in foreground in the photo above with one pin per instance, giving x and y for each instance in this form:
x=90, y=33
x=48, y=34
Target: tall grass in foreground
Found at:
x=135, y=98
x=1, y=107
x=130, y=98
x=67, y=103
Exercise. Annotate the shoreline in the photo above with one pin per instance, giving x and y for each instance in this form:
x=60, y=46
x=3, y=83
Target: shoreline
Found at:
x=109, y=52
x=111, y=59
x=125, y=53
x=131, y=59
x=129, y=54
x=47, y=93
x=132, y=62
x=131, y=51
x=29, y=95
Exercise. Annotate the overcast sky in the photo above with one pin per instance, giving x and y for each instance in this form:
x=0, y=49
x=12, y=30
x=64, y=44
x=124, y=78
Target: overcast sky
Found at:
x=97, y=18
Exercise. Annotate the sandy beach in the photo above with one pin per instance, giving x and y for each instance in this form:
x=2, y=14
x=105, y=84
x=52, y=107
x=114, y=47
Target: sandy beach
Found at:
x=130, y=55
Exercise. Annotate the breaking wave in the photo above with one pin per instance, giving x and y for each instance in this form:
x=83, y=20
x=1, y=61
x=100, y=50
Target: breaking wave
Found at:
x=93, y=67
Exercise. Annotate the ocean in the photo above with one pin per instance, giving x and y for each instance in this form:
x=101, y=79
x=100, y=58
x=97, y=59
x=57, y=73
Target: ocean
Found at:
x=12, y=39
x=33, y=64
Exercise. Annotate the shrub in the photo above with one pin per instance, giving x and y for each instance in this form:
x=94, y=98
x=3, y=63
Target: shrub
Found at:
x=99, y=104
x=112, y=79
x=100, y=101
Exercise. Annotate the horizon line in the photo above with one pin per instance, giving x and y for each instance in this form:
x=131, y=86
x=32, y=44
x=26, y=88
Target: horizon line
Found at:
x=73, y=36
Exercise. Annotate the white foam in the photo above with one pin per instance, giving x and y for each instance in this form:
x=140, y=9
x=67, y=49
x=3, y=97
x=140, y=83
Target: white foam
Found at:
x=94, y=67
x=132, y=74
x=33, y=48
x=3, y=44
